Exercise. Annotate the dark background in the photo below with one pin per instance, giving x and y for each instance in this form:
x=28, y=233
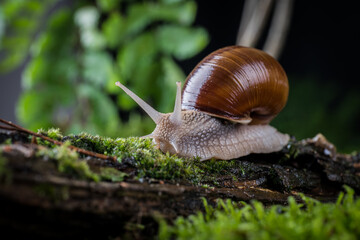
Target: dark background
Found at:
x=322, y=45
x=323, y=37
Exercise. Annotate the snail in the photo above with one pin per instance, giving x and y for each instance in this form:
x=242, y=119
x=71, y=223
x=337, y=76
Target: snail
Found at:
x=224, y=108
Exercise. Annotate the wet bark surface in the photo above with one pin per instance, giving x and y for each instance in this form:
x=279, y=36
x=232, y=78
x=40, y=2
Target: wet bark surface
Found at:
x=37, y=201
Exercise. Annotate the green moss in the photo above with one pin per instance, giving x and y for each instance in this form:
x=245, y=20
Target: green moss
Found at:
x=54, y=133
x=7, y=141
x=112, y=174
x=98, y=144
x=68, y=162
x=151, y=162
x=309, y=220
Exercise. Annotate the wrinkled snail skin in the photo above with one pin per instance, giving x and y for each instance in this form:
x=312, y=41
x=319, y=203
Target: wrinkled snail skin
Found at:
x=225, y=107
x=208, y=137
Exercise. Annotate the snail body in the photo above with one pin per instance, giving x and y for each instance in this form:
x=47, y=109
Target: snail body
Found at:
x=208, y=137
x=225, y=107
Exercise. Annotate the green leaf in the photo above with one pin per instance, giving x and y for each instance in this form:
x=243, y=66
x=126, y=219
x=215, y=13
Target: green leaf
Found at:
x=12, y=60
x=92, y=39
x=114, y=76
x=172, y=73
x=60, y=20
x=142, y=83
x=182, y=42
x=97, y=67
x=2, y=26
x=138, y=17
x=16, y=43
x=145, y=76
x=41, y=44
x=39, y=108
x=11, y=8
x=107, y=5
x=53, y=59
x=58, y=36
x=141, y=15
x=125, y=102
x=171, y=1
x=36, y=6
x=140, y=51
x=32, y=110
x=65, y=70
x=23, y=25
x=139, y=67
x=180, y=12
x=100, y=112
x=136, y=126
x=50, y=70
x=87, y=17
x=34, y=72
x=113, y=29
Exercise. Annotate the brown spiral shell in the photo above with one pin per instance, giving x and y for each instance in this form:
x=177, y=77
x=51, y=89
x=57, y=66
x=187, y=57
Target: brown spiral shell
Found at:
x=237, y=83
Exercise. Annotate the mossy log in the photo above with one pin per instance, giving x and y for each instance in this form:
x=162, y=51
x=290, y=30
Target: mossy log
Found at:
x=44, y=197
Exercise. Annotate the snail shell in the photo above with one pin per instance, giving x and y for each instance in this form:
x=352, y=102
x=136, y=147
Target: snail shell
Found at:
x=239, y=84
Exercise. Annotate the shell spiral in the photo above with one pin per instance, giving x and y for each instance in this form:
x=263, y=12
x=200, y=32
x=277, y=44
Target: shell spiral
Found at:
x=237, y=83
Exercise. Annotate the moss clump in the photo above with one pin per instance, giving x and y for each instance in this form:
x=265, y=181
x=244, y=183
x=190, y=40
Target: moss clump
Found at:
x=7, y=141
x=151, y=162
x=112, y=174
x=53, y=133
x=68, y=162
x=311, y=220
x=103, y=145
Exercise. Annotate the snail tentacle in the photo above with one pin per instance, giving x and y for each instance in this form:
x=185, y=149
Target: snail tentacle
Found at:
x=153, y=114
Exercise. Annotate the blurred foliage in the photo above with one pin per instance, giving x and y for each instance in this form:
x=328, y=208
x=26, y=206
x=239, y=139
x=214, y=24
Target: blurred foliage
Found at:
x=19, y=20
x=84, y=47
